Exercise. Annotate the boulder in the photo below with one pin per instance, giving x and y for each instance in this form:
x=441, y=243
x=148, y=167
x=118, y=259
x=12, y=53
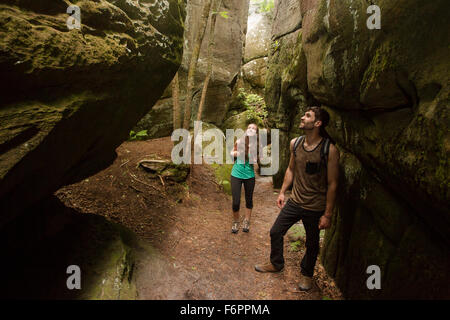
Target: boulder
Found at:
x=159, y=121
x=287, y=18
x=70, y=97
x=165, y=169
x=257, y=41
x=254, y=72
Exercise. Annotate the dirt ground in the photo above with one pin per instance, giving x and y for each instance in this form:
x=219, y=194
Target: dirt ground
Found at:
x=196, y=256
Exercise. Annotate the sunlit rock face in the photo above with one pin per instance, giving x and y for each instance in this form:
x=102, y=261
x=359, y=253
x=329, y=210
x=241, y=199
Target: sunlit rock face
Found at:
x=229, y=40
x=387, y=91
x=71, y=96
x=259, y=32
x=257, y=46
x=250, y=82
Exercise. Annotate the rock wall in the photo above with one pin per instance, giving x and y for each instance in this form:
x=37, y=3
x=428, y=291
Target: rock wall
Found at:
x=286, y=86
x=228, y=53
x=70, y=97
x=387, y=91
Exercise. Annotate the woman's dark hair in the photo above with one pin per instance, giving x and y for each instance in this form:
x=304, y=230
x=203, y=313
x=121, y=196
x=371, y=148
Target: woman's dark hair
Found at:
x=323, y=116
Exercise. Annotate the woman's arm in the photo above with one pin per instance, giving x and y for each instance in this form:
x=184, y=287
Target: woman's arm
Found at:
x=234, y=152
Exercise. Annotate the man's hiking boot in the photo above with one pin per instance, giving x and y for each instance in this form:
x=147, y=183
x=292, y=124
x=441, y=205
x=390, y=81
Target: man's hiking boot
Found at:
x=305, y=283
x=269, y=267
x=235, y=227
x=246, y=226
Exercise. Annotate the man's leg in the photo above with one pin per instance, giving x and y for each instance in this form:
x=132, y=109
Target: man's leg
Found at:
x=289, y=215
x=310, y=221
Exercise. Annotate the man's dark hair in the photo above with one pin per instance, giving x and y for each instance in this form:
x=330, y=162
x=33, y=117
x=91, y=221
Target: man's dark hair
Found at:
x=322, y=115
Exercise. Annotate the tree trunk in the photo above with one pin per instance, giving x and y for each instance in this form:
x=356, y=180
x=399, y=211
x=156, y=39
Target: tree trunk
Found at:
x=212, y=26
x=193, y=63
x=176, y=103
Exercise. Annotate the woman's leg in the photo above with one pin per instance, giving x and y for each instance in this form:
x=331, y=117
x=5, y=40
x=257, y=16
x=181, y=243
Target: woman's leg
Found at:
x=236, y=195
x=249, y=185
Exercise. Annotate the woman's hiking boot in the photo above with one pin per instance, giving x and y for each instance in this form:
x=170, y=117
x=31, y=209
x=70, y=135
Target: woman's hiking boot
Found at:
x=235, y=227
x=246, y=226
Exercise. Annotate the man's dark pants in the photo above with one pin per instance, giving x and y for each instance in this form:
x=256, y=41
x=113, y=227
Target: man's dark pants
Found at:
x=290, y=214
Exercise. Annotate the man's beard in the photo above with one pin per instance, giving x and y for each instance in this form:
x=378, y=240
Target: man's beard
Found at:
x=307, y=127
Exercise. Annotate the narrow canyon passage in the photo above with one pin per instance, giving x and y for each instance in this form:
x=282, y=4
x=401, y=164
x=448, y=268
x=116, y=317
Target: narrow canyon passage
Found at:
x=93, y=90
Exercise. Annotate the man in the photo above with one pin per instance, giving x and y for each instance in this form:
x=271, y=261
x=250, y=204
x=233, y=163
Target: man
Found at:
x=313, y=194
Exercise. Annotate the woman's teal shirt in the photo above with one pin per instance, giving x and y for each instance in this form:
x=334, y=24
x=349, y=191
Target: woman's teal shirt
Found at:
x=242, y=170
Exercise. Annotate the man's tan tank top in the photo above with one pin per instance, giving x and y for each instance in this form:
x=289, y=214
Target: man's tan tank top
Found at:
x=309, y=190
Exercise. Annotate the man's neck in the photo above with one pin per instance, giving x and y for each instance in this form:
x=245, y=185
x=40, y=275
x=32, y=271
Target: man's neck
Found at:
x=312, y=137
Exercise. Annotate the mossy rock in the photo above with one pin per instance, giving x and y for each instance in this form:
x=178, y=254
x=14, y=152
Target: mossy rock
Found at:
x=159, y=121
x=177, y=173
x=71, y=97
x=242, y=120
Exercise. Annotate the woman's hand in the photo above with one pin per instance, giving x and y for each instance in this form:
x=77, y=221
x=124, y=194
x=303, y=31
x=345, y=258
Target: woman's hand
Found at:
x=234, y=153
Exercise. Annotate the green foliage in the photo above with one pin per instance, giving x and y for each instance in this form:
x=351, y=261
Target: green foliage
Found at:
x=140, y=135
x=223, y=14
x=295, y=246
x=275, y=46
x=255, y=105
x=265, y=5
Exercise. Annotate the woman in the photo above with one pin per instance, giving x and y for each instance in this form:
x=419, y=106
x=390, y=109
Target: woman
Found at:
x=243, y=172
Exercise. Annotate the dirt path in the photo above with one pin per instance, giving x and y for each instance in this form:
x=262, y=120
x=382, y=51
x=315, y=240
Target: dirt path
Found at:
x=196, y=256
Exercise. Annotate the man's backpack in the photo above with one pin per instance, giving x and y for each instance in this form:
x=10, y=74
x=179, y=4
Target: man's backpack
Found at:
x=324, y=150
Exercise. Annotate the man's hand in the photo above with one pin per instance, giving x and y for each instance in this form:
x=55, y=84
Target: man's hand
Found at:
x=280, y=200
x=325, y=222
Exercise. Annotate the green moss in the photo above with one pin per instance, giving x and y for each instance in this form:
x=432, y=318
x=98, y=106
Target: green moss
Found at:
x=295, y=246
x=177, y=173
x=255, y=108
x=223, y=175
x=114, y=279
x=297, y=231
x=383, y=61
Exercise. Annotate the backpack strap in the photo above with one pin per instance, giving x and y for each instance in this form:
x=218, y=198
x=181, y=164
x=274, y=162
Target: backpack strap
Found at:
x=296, y=143
x=324, y=152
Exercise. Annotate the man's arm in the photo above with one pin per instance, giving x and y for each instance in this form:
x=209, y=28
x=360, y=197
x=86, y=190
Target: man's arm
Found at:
x=333, y=176
x=288, y=176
